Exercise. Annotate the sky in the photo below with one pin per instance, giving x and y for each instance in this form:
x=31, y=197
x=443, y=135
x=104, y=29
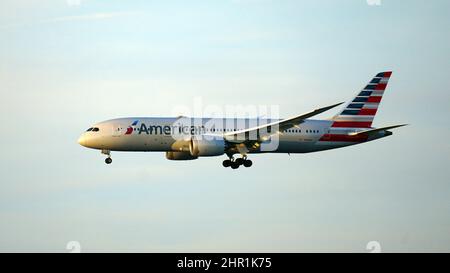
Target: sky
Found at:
x=66, y=65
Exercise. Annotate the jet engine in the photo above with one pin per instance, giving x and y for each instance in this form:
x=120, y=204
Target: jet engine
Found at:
x=180, y=156
x=207, y=147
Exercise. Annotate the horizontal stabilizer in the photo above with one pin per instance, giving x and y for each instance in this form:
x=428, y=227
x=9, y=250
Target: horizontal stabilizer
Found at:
x=371, y=131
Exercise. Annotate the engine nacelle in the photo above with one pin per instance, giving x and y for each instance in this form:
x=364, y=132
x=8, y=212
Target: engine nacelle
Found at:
x=180, y=156
x=207, y=147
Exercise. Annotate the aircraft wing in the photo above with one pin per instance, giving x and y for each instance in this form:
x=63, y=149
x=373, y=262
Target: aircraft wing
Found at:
x=275, y=127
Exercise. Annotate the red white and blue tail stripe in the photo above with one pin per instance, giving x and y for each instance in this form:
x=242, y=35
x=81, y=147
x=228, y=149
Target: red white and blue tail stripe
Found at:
x=360, y=112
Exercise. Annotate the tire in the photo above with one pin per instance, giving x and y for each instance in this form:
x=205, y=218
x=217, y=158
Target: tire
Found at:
x=108, y=160
x=234, y=166
x=239, y=161
x=226, y=163
x=248, y=163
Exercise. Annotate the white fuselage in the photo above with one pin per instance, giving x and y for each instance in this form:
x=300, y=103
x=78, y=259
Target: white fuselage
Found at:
x=169, y=134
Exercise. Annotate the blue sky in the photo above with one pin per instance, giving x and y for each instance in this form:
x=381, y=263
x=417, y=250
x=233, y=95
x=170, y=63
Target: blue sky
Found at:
x=65, y=66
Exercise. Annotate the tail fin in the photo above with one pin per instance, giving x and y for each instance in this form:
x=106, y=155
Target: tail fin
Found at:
x=360, y=112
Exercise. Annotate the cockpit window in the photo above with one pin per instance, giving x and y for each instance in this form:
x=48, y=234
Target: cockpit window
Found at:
x=95, y=129
x=90, y=129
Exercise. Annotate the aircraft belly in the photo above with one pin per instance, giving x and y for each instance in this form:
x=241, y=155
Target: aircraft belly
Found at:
x=295, y=146
x=140, y=143
x=160, y=143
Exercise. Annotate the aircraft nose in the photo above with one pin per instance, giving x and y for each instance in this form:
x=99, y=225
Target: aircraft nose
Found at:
x=81, y=140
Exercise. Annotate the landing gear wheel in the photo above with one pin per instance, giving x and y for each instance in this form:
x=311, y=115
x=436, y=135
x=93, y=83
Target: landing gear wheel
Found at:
x=234, y=165
x=108, y=160
x=239, y=161
x=226, y=163
x=248, y=163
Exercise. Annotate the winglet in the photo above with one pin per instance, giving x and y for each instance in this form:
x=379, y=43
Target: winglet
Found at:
x=320, y=110
x=292, y=121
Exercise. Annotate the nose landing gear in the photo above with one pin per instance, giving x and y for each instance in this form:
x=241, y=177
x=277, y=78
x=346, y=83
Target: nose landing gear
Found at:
x=108, y=160
x=236, y=163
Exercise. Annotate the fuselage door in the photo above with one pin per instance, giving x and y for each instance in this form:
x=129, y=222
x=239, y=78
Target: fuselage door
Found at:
x=326, y=134
x=116, y=130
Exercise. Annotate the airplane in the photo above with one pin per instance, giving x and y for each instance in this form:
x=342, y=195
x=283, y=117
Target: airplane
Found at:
x=184, y=138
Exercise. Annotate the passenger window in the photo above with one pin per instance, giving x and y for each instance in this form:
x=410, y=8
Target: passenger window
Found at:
x=95, y=129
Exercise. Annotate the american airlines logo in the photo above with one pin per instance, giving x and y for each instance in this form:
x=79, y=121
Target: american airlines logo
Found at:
x=130, y=128
x=165, y=129
x=171, y=129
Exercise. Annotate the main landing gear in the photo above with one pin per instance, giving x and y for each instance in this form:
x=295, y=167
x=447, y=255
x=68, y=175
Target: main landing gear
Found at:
x=108, y=160
x=236, y=163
